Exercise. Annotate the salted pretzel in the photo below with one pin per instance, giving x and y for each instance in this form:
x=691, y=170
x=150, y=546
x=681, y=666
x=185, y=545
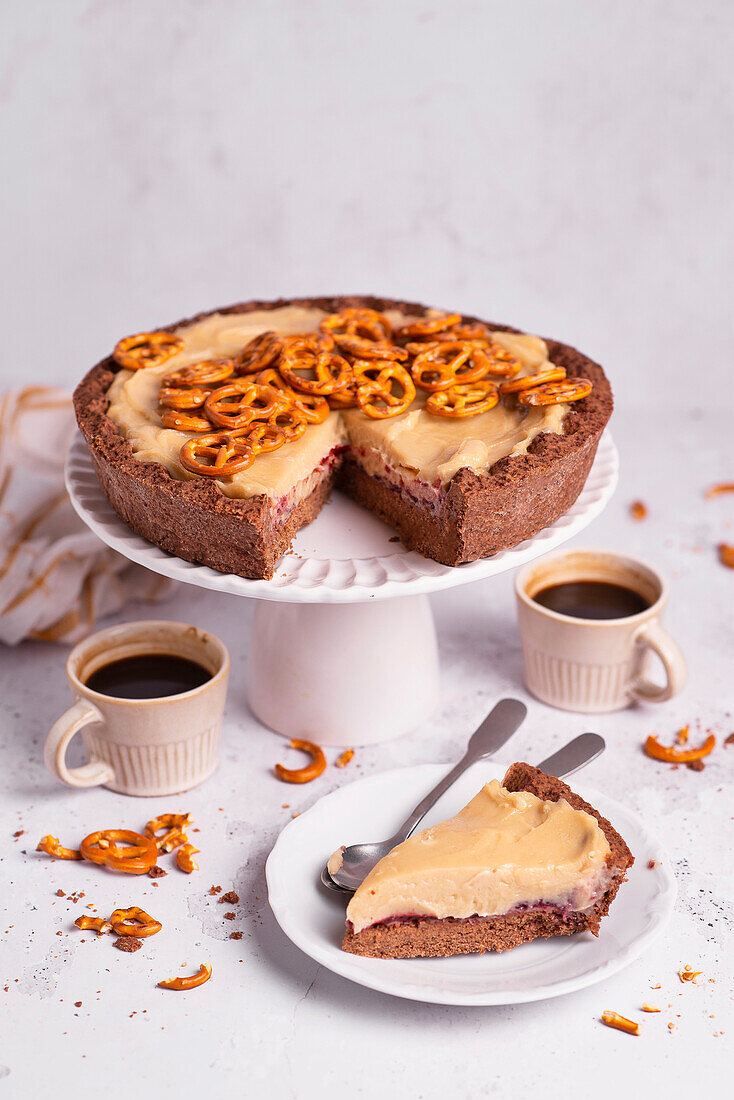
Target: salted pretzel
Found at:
x=146, y=349
x=376, y=397
x=162, y=828
x=51, y=846
x=368, y=325
x=529, y=381
x=556, y=393
x=97, y=924
x=207, y=372
x=261, y=352
x=427, y=326
x=177, y=397
x=331, y=370
x=134, y=922
x=239, y=403
x=137, y=859
x=309, y=771
x=291, y=422
x=314, y=409
x=202, y=975
x=502, y=363
x=185, y=859
x=356, y=345
x=185, y=421
x=464, y=399
x=445, y=364
x=216, y=455
x=475, y=334
x=258, y=437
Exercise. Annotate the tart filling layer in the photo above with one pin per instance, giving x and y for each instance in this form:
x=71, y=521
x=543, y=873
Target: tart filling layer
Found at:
x=503, y=852
x=415, y=445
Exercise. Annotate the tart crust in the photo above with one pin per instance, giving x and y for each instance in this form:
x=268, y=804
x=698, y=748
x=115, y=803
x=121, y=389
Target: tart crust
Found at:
x=477, y=514
x=430, y=936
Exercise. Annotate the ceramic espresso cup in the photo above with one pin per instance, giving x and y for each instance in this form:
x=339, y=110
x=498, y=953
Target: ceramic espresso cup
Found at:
x=142, y=746
x=595, y=665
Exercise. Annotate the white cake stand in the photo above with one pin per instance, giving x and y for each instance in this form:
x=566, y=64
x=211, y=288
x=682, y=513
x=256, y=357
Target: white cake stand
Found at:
x=343, y=642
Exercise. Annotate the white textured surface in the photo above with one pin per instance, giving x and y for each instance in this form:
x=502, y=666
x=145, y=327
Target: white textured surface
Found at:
x=564, y=167
x=345, y=556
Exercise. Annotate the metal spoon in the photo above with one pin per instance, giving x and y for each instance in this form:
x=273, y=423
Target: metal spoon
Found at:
x=359, y=859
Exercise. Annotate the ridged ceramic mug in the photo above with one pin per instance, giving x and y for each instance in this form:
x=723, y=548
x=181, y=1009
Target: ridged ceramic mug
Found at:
x=142, y=746
x=595, y=665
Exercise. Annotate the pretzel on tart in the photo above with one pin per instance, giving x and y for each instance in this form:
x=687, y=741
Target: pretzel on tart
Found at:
x=314, y=409
x=239, y=403
x=202, y=975
x=529, y=381
x=377, y=398
x=182, y=397
x=216, y=455
x=427, y=326
x=556, y=393
x=261, y=352
x=442, y=365
x=146, y=349
x=302, y=353
x=367, y=325
x=207, y=372
x=184, y=421
x=134, y=922
x=464, y=399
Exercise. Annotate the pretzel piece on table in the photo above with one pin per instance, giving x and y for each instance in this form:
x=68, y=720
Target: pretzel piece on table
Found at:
x=136, y=859
x=134, y=922
x=51, y=846
x=185, y=859
x=309, y=771
x=202, y=975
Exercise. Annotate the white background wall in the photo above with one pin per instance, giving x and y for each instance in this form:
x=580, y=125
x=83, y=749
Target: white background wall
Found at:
x=563, y=166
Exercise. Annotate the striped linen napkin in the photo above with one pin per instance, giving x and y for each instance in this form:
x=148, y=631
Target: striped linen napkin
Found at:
x=56, y=578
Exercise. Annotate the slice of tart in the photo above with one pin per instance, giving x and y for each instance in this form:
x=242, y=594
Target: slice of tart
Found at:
x=524, y=860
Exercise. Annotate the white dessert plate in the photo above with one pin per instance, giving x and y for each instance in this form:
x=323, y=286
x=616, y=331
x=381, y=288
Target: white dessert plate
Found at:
x=313, y=918
x=345, y=555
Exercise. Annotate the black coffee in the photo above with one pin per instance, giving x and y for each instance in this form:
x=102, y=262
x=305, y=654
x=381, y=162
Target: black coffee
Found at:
x=148, y=676
x=592, y=600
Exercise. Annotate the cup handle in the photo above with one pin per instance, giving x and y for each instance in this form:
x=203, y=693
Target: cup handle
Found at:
x=57, y=742
x=674, y=663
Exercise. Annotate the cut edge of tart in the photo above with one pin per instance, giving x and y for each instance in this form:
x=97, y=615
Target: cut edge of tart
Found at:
x=472, y=514
x=436, y=887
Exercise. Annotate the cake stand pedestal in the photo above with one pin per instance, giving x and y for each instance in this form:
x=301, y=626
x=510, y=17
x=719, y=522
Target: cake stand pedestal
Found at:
x=343, y=646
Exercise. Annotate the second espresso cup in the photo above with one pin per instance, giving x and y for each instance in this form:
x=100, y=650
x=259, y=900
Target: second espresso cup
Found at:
x=142, y=746
x=595, y=665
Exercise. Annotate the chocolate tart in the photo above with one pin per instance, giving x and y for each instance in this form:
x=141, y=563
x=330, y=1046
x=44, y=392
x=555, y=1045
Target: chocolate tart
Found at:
x=476, y=514
x=406, y=938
